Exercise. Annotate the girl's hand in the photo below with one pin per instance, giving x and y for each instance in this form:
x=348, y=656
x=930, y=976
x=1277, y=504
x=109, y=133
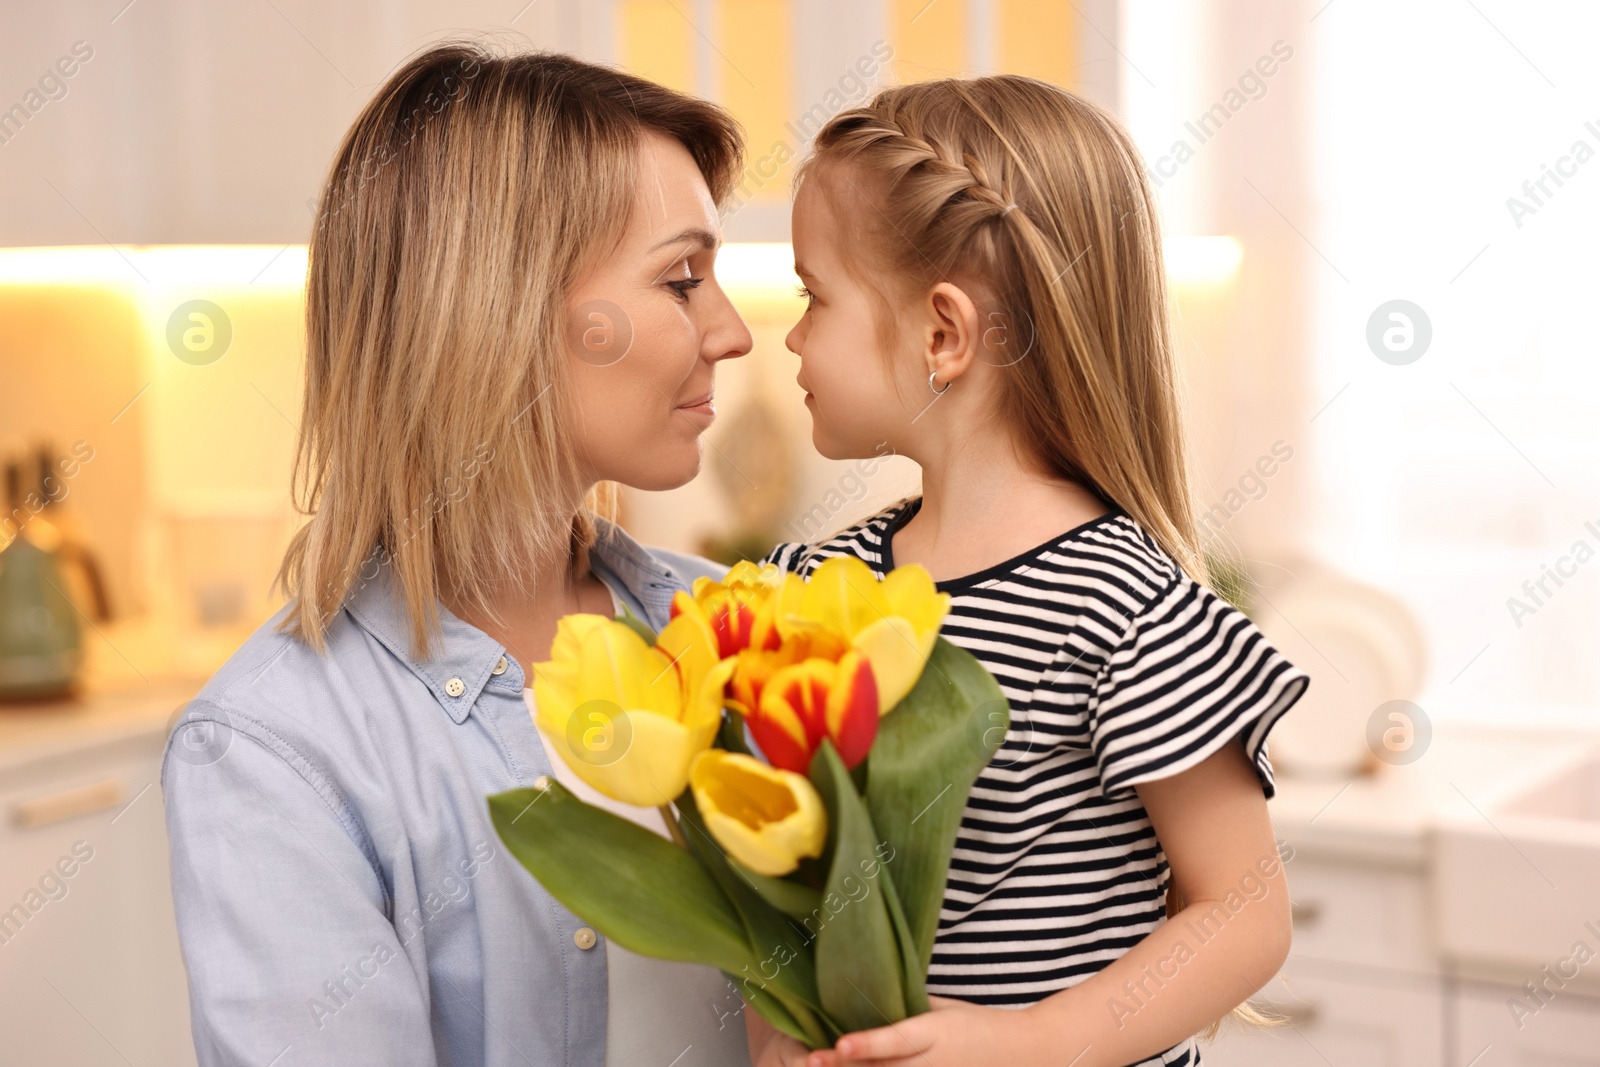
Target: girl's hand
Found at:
x=953, y=1034
x=781, y=1050
x=770, y=1047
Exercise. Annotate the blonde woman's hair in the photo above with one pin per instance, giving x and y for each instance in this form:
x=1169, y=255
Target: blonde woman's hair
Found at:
x=1040, y=197
x=1075, y=268
x=468, y=197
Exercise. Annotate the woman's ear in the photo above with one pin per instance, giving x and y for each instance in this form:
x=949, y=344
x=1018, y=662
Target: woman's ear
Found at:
x=951, y=336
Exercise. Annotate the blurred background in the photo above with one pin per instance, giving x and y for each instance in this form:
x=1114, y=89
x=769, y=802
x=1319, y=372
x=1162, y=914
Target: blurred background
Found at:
x=1380, y=220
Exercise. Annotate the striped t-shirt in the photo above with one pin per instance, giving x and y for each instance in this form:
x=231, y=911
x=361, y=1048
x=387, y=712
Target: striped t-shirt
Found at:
x=1119, y=669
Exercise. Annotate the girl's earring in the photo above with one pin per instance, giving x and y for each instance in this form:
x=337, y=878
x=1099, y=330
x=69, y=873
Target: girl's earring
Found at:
x=938, y=392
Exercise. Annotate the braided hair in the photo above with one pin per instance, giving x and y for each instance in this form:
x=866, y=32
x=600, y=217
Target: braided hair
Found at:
x=1039, y=197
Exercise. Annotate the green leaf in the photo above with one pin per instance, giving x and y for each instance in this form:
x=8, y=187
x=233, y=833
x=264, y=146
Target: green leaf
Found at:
x=637, y=625
x=786, y=971
x=730, y=733
x=860, y=969
x=929, y=751
x=634, y=886
x=771, y=1009
x=915, y=971
x=792, y=898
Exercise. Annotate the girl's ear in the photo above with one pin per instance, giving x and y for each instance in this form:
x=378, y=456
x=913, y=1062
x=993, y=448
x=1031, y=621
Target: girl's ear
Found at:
x=951, y=336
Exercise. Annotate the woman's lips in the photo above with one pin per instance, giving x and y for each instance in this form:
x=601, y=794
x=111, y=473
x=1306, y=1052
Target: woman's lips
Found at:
x=701, y=405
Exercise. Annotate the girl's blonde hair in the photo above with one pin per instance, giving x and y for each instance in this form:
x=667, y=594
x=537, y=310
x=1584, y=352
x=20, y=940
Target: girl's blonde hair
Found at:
x=468, y=197
x=1040, y=197
x=1075, y=268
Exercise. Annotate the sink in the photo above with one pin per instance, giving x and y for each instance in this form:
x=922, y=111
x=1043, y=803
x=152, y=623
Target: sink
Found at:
x=1516, y=875
x=1570, y=795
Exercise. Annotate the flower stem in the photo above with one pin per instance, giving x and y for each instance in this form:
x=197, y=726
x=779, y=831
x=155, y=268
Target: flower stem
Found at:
x=672, y=825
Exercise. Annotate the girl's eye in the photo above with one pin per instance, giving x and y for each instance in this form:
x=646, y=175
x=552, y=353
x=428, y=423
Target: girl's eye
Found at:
x=683, y=285
x=807, y=294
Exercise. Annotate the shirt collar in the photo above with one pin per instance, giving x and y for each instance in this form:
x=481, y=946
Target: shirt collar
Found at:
x=464, y=657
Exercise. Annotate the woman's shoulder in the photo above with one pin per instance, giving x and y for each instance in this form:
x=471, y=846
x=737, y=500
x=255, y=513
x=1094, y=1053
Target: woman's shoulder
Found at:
x=863, y=539
x=275, y=691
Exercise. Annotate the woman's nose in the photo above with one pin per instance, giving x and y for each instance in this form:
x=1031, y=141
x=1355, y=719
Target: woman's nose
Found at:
x=727, y=337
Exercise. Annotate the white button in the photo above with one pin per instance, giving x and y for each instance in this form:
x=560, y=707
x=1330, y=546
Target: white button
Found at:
x=499, y=666
x=584, y=938
x=455, y=687
x=542, y=782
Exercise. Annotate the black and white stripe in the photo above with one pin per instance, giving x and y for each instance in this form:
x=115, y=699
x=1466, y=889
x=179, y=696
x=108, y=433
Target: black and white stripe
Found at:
x=1119, y=669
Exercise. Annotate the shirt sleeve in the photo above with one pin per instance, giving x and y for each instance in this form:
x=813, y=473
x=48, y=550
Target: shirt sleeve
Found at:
x=1191, y=673
x=281, y=917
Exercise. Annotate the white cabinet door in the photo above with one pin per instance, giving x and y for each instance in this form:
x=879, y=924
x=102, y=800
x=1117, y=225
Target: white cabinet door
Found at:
x=90, y=972
x=1339, y=1022
x=1352, y=913
x=1565, y=1032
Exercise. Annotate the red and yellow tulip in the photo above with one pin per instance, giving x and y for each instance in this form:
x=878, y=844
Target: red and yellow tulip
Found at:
x=893, y=623
x=737, y=609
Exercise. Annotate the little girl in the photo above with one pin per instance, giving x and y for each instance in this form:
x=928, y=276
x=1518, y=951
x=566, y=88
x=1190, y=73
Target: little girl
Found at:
x=986, y=295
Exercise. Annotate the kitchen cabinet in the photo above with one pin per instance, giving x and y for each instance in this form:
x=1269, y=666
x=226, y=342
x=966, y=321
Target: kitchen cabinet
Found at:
x=1367, y=983
x=1361, y=987
x=1356, y=1020
x=90, y=971
x=1564, y=1033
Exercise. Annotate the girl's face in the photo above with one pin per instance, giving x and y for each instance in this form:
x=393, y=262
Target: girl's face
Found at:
x=647, y=327
x=859, y=396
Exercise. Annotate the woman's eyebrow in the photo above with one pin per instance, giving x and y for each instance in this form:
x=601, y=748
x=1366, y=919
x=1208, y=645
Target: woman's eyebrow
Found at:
x=705, y=238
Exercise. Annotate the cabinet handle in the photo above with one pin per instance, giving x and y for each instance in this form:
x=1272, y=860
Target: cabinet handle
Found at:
x=1296, y=1015
x=1304, y=914
x=1300, y=1015
x=67, y=804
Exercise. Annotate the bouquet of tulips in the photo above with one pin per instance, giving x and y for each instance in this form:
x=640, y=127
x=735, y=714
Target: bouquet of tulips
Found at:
x=810, y=746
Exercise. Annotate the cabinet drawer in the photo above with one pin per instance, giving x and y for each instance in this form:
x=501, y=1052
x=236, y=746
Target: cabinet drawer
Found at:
x=1364, y=915
x=1565, y=1030
x=1339, y=1022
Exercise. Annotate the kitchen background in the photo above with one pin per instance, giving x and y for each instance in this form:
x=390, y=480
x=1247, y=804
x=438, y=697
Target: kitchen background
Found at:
x=1381, y=218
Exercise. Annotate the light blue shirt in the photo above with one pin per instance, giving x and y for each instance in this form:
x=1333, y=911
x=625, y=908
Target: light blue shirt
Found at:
x=341, y=895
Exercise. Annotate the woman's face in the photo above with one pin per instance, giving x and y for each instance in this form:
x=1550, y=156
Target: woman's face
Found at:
x=647, y=327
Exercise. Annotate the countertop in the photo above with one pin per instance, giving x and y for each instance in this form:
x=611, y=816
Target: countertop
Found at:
x=1387, y=816
x=1384, y=817
x=43, y=730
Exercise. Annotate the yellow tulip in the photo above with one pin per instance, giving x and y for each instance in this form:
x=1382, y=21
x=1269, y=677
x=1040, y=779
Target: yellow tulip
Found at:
x=893, y=623
x=765, y=818
x=628, y=717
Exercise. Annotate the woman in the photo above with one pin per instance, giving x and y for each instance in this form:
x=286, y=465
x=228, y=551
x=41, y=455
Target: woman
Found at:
x=510, y=303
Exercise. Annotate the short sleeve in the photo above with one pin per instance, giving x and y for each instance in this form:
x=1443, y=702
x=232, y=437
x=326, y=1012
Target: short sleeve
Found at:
x=786, y=556
x=1191, y=673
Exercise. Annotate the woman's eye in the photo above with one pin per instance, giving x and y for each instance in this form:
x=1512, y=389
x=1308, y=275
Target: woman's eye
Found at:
x=683, y=285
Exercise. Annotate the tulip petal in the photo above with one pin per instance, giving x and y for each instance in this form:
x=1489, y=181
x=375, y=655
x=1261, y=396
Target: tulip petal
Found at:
x=852, y=711
x=779, y=728
x=570, y=633
x=844, y=595
x=898, y=655
x=768, y=819
x=913, y=596
x=689, y=645
x=645, y=760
